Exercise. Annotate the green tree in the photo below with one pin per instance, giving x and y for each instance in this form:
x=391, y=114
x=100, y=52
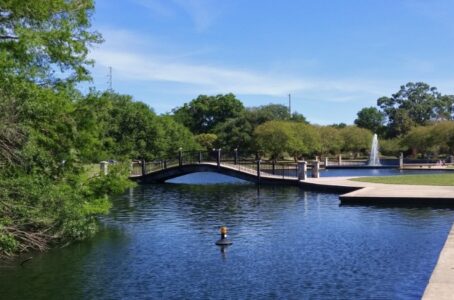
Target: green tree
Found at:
x=331, y=141
x=236, y=133
x=273, y=138
x=173, y=136
x=304, y=141
x=370, y=118
x=270, y=112
x=415, y=104
x=39, y=37
x=419, y=140
x=276, y=138
x=356, y=140
x=391, y=147
x=204, y=113
x=206, y=140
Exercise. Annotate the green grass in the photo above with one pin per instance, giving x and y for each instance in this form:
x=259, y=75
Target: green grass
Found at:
x=425, y=179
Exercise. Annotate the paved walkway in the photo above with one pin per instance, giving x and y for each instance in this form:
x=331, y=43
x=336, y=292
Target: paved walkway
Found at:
x=441, y=284
x=366, y=192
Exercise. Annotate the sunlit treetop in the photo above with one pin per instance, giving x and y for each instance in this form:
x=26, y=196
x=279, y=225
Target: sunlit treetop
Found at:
x=47, y=40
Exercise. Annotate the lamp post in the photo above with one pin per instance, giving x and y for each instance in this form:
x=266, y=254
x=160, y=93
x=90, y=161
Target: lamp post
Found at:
x=180, y=156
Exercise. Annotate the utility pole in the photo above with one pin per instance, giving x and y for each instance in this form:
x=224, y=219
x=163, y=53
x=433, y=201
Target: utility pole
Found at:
x=109, y=81
x=290, y=105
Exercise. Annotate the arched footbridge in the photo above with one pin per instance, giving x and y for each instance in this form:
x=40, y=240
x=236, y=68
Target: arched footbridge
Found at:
x=250, y=169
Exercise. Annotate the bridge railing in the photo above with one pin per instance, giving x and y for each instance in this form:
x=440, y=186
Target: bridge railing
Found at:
x=248, y=164
x=281, y=169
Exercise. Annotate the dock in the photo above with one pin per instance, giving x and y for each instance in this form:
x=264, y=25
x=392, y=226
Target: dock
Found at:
x=441, y=283
x=379, y=193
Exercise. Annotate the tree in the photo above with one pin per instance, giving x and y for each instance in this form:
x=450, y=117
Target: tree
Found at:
x=418, y=139
x=305, y=140
x=434, y=139
x=415, y=104
x=278, y=137
x=391, y=147
x=331, y=141
x=273, y=137
x=370, y=118
x=204, y=113
x=356, y=140
x=116, y=126
x=236, y=133
x=38, y=37
x=271, y=112
x=206, y=140
x=173, y=137
x=297, y=117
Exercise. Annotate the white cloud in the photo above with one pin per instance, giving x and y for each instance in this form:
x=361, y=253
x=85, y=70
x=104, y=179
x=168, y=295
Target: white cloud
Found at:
x=140, y=59
x=219, y=79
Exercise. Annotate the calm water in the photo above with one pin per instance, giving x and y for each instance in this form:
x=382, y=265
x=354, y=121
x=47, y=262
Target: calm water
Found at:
x=158, y=242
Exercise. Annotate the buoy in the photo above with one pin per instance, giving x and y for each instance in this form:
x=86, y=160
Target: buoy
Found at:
x=223, y=241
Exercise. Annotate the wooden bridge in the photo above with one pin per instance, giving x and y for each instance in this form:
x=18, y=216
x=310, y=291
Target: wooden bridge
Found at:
x=246, y=168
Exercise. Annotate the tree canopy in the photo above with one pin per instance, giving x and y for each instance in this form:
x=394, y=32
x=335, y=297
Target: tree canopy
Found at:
x=415, y=104
x=204, y=113
x=370, y=118
x=39, y=37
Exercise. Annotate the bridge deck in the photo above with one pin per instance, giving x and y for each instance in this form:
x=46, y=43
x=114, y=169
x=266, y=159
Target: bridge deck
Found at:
x=351, y=191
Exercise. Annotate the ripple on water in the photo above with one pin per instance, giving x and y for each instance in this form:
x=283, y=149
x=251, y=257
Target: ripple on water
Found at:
x=158, y=242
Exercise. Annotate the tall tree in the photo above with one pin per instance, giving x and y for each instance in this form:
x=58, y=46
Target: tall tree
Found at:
x=370, y=118
x=204, y=113
x=41, y=36
x=415, y=104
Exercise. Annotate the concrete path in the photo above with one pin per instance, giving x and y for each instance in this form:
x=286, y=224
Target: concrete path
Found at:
x=441, y=284
x=366, y=192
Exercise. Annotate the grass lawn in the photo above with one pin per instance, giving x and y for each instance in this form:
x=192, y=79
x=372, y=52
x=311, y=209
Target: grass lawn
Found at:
x=425, y=179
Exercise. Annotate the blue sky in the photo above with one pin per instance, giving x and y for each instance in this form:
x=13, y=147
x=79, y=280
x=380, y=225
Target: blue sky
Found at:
x=334, y=56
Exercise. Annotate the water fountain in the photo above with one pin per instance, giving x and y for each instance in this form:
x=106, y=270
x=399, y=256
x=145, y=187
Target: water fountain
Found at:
x=374, y=159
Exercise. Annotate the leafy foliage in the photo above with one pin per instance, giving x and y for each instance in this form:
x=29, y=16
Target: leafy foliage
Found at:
x=370, y=118
x=204, y=113
x=37, y=37
x=415, y=104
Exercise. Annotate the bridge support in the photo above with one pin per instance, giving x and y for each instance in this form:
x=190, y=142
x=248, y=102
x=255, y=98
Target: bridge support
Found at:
x=180, y=157
x=339, y=160
x=316, y=169
x=302, y=170
x=144, y=167
x=326, y=161
x=218, y=157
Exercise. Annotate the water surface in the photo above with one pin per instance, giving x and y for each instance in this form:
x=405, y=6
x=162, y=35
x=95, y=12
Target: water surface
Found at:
x=158, y=242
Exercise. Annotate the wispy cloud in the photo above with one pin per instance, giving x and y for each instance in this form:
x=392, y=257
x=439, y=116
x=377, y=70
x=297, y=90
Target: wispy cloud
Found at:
x=124, y=51
x=218, y=79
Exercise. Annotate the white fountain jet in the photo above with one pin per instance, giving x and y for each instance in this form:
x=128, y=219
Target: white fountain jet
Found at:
x=374, y=159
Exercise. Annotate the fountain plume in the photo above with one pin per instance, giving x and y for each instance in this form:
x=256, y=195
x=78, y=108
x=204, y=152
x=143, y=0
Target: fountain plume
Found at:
x=374, y=159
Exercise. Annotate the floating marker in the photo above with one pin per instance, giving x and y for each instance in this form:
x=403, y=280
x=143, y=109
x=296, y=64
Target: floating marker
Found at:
x=223, y=241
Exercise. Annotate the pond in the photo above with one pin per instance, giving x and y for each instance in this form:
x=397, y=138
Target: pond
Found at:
x=158, y=242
